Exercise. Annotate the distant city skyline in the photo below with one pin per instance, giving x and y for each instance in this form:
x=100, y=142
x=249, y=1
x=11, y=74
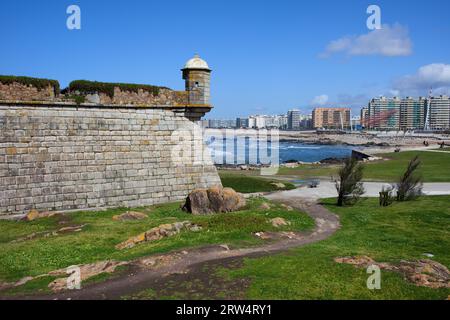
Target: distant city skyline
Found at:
x=381, y=113
x=266, y=56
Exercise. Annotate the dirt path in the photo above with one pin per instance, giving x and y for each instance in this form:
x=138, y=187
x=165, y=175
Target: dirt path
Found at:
x=148, y=272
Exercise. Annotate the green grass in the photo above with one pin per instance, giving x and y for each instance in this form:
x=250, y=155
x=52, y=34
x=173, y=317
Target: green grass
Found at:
x=98, y=239
x=249, y=184
x=402, y=231
x=305, y=171
x=435, y=167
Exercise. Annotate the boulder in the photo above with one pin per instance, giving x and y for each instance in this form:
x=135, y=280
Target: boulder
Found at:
x=130, y=215
x=31, y=215
x=213, y=200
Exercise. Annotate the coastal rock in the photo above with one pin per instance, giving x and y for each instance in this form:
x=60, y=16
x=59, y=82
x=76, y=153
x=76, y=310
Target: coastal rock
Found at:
x=424, y=273
x=213, y=200
x=86, y=271
x=58, y=285
x=130, y=215
x=157, y=233
x=130, y=243
x=279, y=222
x=363, y=261
x=46, y=234
x=35, y=214
x=31, y=215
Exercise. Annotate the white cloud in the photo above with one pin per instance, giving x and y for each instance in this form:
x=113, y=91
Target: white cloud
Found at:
x=387, y=41
x=320, y=100
x=435, y=75
x=394, y=92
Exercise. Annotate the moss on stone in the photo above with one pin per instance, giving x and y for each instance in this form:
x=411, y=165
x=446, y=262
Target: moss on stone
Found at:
x=87, y=87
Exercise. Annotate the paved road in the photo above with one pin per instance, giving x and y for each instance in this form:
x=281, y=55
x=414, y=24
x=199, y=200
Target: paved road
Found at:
x=327, y=189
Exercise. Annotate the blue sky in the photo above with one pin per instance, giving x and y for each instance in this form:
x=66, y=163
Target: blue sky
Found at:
x=266, y=56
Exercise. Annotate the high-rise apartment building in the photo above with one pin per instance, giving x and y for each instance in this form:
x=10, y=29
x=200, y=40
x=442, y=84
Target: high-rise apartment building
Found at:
x=408, y=113
x=242, y=123
x=412, y=113
x=294, y=118
x=221, y=123
x=331, y=118
x=384, y=113
x=364, y=116
x=439, y=113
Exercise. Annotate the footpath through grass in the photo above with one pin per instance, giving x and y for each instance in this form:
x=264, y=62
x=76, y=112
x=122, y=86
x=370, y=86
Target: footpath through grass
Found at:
x=402, y=231
x=435, y=167
x=96, y=242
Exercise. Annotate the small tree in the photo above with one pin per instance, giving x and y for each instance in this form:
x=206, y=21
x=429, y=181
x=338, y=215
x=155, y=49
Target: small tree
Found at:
x=349, y=185
x=410, y=185
x=386, y=197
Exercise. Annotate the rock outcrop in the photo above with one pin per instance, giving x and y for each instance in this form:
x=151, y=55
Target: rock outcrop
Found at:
x=213, y=200
x=47, y=234
x=35, y=214
x=130, y=215
x=279, y=222
x=157, y=233
x=86, y=271
x=425, y=272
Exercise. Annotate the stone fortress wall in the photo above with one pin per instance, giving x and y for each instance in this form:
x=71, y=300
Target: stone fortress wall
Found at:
x=16, y=91
x=22, y=92
x=65, y=158
x=57, y=154
x=165, y=97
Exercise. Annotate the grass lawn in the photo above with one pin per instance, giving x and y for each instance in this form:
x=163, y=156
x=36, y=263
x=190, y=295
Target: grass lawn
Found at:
x=305, y=171
x=249, y=184
x=435, y=167
x=98, y=239
x=402, y=231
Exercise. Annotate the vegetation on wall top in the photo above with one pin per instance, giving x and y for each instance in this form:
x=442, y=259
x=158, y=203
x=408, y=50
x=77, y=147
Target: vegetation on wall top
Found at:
x=38, y=83
x=86, y=87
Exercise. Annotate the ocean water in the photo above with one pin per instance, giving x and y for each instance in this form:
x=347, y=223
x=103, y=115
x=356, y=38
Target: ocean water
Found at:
x=312, y=153
x=244, y=152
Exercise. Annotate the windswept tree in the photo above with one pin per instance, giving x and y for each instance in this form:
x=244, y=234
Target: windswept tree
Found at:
x=386, y=197
x=410, y=184
x=349, y=186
